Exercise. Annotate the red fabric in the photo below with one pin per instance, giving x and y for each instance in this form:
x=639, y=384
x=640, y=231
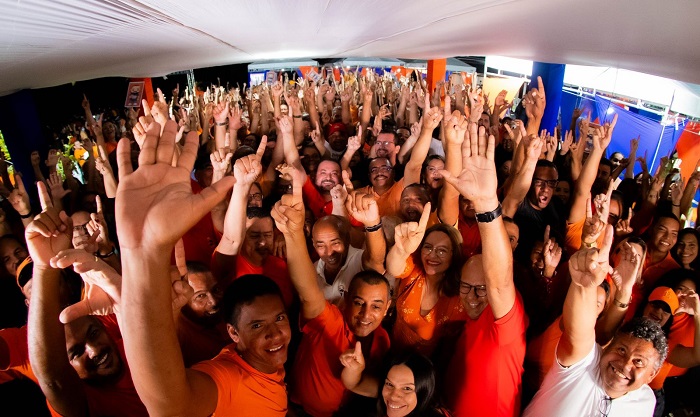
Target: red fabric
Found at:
x=16, y=359
x=315, y=201
x=484, y=376
x=201, y=240
x=471, y=238
x=243, y=391
x=541, y=352
x=316, y=384
x=650, y=274
x=274, y=268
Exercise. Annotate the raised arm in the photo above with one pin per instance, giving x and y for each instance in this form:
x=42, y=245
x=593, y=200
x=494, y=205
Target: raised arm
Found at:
x=353, y=376
x=245, y=171
x=582, y=189
x=685, y=356
x=46, y=235
x=363, y=208
x=523, y=177
x=588, y=269
x=407, y=238
x=455, y=128
x=289, y=218
x=431, y=120
x=146, y=201
x=478, y=182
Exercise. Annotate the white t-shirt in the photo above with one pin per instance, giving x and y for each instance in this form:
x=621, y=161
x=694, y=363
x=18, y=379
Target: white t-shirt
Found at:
x=335, y=292
x=577, y=391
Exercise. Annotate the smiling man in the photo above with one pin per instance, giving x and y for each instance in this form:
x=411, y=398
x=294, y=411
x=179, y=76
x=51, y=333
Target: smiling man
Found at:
x=587, y=379
x=328, y=331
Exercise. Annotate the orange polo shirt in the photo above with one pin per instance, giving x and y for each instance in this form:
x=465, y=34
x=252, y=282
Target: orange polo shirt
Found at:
x=316, y=384
x=389, y=203
x=243, y=391
x=415, y=332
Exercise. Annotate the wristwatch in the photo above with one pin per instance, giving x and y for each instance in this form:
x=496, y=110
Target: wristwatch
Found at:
x=489, y=216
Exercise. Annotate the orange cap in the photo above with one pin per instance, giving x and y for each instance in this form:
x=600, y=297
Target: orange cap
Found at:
x=667, y=295
x=24, y=272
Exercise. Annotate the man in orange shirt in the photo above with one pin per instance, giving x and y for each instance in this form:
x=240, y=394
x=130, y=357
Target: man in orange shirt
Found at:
x=327, y=330
x=245, y=380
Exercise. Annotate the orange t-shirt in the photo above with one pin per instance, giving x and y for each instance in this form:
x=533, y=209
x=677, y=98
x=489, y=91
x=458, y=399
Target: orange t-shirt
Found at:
x=650, y=274
x=14, y=361
x=682, y=333
x=389, y=203
x=316, y=384
x=412, y=331
x=572, y=240
x=541, y=352
x=274, y=268
x=243, y=391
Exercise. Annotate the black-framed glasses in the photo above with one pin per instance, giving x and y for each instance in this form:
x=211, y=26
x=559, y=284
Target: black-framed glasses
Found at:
x=255, y=197
x=384, y=142
x=440, y=252
x=539, y=182
x=605, y=406
x=465, y=289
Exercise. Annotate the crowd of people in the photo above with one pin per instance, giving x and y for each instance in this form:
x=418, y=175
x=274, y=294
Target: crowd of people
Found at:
x=370, y=247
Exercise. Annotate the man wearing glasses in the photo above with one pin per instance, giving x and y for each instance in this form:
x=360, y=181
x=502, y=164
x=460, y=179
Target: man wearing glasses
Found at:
x=485, y=371
x=538, y=210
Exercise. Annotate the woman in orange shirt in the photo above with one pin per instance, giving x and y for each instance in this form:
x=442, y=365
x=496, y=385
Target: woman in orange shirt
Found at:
x=427, y=266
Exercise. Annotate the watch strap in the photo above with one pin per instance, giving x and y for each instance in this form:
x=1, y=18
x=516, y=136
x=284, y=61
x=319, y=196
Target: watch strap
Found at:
x=489, y=216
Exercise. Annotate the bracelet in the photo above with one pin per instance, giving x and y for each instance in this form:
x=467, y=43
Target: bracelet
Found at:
x=99, y=255
x=588, y=245
x=26, y=216
x=223, y=123
x=374, y=228
x=297, y=117
x=620, y=304
x=676, y=205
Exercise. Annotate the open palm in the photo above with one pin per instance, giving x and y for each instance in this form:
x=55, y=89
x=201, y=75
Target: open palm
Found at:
x=155, y=205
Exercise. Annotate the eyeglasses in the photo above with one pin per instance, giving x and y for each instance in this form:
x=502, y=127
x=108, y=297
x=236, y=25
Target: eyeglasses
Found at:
x=255, y=197
x=539, y=182
x=383, y=168
x=479, y=290
x=439, y=252
x=605, y=406
x=384, y=142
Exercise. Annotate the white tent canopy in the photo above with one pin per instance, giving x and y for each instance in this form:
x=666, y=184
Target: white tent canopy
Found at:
x=369, y=62
x=281, y=64
x=50, y=42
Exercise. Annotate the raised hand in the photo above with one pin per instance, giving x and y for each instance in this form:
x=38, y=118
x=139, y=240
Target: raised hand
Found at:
x=220, y=112
x=689, y=303
x=220, y=160
x=361, y=206
x=49, y=232
x=288, y=213
x=478, y=180
x=56, y=186
x=148, y=197
x=407, y=236
x=589, y=267
x=567, y=142
x=535, y=101
x=551, y=254
x=52, y=159
x=593, y=226
x=247, y=169
x=18, y=198
x=102, y=284
x=623, y=227
x=353, y=359
x=627, y=269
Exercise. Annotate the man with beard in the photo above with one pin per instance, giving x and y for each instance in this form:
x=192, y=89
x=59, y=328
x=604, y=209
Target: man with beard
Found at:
x=338, y=261
x=384, y=188
x=79, y=366
x=201, y=329
x=587, y=379
x=328, y=330
x=317, y=195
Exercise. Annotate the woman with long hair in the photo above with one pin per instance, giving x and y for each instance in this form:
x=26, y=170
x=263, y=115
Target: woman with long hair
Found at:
x=685, y=252
x=427, y=266
x=407, y=388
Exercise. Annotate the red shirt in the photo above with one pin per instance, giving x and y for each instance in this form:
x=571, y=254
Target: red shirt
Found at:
x=471, y=238
x=274, y=268
x=485, y=373
x=201, y=240
x=316, y=383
